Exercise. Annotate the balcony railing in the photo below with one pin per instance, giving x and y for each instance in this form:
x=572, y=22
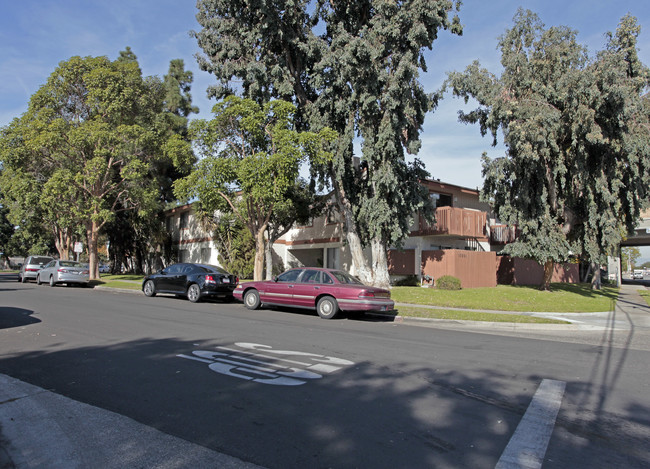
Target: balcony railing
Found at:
x=502, y=234
x=457, y=222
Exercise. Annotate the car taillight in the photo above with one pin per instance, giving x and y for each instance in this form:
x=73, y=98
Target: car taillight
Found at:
x=366, y=294
x=32, y=270
x=210, y=279
x=65, y=271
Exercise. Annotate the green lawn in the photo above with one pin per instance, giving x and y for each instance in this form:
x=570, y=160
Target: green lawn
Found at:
x=127, y=281
x=567, y=298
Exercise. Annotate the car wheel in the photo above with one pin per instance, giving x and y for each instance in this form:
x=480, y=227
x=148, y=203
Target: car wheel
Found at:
x=193, y=293
x=38, y=280
x=252, y=299
x=327, y=307
x=149, y=288
x=23, y=279
x=52, y=283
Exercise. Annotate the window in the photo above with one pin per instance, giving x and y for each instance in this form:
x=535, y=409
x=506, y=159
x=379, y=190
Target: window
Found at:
x=440, y=200
x=289, y=276
x=332, y=258
x=311, y=276
x=205, y=255
x=184, y=219
x=344, y=277
x=183, y=255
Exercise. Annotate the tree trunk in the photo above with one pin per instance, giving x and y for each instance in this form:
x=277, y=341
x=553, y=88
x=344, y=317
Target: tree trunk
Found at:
x=259, y=254
x=62, y=243
x=359, y=262
x=595, y=278
x=92, y=234
x=268, y=254
x=380, y=264
x=549, y=266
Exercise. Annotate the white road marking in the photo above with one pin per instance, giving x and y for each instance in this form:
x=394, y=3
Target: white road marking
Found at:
x=528, y=444
x=275, y=369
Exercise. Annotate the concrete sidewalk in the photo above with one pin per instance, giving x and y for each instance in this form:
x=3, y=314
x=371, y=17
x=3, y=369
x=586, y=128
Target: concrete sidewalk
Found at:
x=41, y=430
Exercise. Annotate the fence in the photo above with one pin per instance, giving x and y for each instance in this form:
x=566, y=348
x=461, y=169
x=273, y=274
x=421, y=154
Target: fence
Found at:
x=474, y=269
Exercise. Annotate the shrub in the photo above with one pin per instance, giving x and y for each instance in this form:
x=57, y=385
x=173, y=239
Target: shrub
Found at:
x=408, y=281
x=447, y=282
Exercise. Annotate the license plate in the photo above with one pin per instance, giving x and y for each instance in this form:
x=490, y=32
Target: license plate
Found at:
x=226, y=280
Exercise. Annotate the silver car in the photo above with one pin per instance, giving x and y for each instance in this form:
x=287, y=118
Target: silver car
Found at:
x=68, y=272
x=31, y=267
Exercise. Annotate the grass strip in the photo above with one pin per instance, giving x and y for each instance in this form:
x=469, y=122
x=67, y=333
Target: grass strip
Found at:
x=434, y=313
x=117, y=284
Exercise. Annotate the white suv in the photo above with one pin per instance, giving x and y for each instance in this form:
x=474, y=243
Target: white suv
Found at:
x=31, y=267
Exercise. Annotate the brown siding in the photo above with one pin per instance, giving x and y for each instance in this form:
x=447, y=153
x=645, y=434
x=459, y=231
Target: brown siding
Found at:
x=474, y=269
x=518, y=271
x=401, y=262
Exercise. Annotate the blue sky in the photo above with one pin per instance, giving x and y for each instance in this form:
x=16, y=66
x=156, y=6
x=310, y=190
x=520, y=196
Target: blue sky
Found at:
x=35, y=35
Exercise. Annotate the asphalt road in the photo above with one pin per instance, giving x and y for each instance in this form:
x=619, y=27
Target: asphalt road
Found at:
x=282, y=389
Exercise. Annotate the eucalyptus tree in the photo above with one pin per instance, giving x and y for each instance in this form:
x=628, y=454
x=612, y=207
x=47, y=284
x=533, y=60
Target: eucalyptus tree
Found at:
x=89, y=139
x=250, y=161
x=576, y=130
x=357, y=74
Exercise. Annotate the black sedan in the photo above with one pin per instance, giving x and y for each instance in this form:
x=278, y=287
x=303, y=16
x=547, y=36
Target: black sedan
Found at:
x=195, y=281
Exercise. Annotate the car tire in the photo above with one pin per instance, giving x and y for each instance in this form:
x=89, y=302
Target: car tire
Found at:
x=38, y=280
x=23, y=279
x=194, y=293
x=149, y=288
x=252, y=299
x=52, y=282
x=327, y=307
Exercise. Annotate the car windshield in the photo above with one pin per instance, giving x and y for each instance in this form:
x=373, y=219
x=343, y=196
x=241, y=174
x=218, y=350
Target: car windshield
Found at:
x=344, y=277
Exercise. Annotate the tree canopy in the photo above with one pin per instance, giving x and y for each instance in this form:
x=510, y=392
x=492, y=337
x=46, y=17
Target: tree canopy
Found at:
x=88, y=146
x=576, y=129
x=356, y=72
x=249, y=165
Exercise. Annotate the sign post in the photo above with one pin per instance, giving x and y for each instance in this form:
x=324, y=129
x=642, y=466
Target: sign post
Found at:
x=78, y=248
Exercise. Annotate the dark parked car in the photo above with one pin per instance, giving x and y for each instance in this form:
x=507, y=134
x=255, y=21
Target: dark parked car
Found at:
x=31, y=267
x=195, y=281
x=325, y=290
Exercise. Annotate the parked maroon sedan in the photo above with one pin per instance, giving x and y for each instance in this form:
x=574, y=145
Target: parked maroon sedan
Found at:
x=325, y=290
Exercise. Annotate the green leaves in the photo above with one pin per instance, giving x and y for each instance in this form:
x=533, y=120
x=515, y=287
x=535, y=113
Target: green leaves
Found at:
x=574, y=173
x=93, y=143
x=250, y=161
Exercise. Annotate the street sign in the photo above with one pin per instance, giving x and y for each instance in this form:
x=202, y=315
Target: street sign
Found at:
x=78, y=247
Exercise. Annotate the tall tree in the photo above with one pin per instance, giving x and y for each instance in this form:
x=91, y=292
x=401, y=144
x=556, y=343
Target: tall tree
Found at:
x=357, y=75
x=146, y=234
x=251, y=157
x=577, y=167
x=90, y=137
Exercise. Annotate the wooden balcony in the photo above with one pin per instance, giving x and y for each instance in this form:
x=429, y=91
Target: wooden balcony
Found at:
x=503, y=234
x=456, y=222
